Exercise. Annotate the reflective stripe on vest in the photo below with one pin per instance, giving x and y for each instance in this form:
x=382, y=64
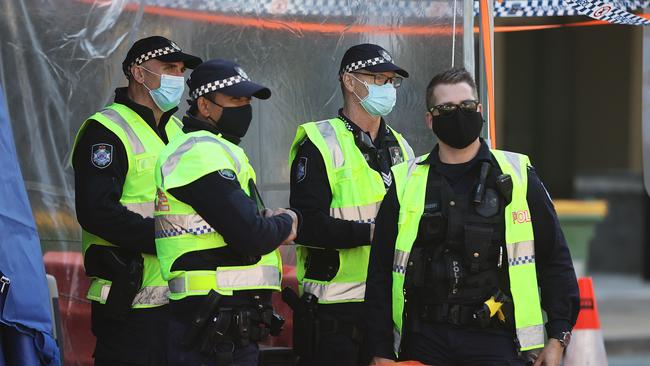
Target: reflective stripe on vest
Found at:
x=329, y=134
x=201, y=282
x=336, y=291
x=144, y=209
x=174, y=225
x=410, y=180
x=521, y=253
x=136, y=144
x=146, y=297
x=172, y=161
x=362, y=214
x=400, y=260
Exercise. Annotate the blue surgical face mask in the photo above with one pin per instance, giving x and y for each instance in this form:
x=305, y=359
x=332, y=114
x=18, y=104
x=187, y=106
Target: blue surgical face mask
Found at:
x=170, y=92
x=380, y=99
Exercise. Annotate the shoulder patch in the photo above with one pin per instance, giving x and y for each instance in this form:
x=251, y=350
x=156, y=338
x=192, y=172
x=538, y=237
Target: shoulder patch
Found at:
x=101, y=155
x=395, y=155
x=301, y=169
x=227, y=174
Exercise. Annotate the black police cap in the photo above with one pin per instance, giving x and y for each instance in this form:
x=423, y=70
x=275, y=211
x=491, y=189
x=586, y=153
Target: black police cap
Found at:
x=371, y=57
x=224, y=77
x=159, y=48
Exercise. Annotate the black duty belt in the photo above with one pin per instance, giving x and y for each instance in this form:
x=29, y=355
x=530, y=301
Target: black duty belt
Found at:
x=453, y=314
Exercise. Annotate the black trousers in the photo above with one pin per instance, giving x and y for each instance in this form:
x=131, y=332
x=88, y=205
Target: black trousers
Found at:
x=338, y=348
x=139, y=340
x=182, y=313
x=181, y=356
x=442, y=344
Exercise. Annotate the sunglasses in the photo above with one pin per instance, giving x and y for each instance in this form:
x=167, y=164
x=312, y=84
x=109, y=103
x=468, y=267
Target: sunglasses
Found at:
x=380, y=79
x=447, y=109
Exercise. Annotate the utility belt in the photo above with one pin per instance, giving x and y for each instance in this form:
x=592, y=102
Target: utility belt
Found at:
x=216, y=330
x=490, y=314
x=453, y=314
x=309, y=325
x=118, y=278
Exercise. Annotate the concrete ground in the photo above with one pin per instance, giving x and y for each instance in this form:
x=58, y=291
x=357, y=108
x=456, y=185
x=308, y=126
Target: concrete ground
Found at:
x=624, y=311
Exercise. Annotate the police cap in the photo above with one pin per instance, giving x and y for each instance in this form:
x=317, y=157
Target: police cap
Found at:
x=369, y=57
x=224, y=77
x=159, y=48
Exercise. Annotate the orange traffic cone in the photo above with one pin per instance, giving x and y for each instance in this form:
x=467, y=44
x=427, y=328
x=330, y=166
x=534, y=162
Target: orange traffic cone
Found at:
x=587, y=347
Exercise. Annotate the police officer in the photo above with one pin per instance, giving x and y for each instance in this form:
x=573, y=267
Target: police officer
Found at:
x=217, y=245
x=113, y=157
x=340, y=171
x=464, y=238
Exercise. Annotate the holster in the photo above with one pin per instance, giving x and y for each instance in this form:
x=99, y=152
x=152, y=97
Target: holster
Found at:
x=268, y=318
x=202, y=318
x=123, y=269
x=306, y=325
x=218, y=329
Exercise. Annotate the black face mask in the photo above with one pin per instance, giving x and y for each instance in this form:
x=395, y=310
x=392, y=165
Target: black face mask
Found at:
x=234, y=122
x=459, y=129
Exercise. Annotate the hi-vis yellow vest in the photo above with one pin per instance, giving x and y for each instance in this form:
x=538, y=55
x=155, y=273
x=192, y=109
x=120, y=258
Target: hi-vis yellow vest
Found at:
x=180, y=229
x=357, y=192
x=142, y=146
x=410, y=184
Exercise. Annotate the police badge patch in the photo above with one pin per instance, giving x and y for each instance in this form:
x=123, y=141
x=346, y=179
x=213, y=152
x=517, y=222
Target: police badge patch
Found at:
x=301, y=169
x=227, y=174
x=101, y=155
x=241, y=72
x=395, y=155
x=386, y=55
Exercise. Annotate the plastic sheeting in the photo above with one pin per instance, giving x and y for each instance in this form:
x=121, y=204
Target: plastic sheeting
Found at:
x=60, y=62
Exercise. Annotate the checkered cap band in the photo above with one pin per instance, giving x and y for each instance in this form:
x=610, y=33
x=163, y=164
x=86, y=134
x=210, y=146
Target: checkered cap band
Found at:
x=364, y=63
x=216, y=85
x=152, y=54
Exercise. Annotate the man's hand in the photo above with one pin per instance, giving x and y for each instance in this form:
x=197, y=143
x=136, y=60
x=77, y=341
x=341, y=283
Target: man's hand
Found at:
x=381, y=361
x=551, y=355
x=294, y=226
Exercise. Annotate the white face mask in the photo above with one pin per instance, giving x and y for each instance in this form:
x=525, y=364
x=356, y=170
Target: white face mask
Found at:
x=170, y=92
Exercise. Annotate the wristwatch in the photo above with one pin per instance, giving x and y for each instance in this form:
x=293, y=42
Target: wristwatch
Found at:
x=564, y=338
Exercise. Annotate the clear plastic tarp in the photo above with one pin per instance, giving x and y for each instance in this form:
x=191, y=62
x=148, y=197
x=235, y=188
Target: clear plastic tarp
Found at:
x=60, y=61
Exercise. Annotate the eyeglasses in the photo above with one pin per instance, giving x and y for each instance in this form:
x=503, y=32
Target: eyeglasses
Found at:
x=446, y=109
x=380, y=79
